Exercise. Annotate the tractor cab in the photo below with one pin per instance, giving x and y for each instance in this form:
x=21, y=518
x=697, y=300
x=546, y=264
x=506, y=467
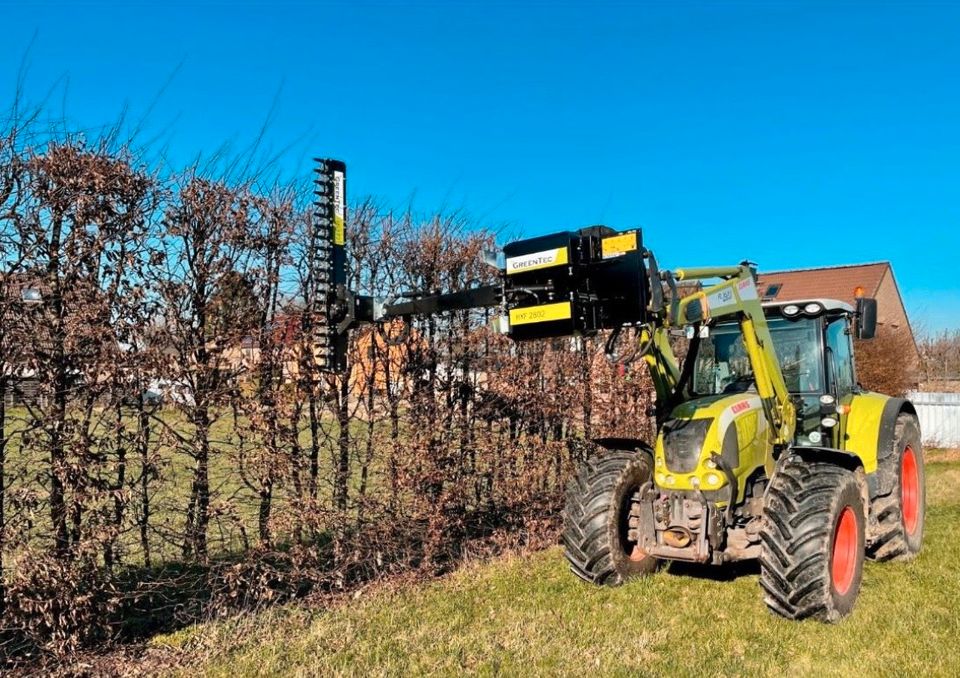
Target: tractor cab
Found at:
x=813, y=342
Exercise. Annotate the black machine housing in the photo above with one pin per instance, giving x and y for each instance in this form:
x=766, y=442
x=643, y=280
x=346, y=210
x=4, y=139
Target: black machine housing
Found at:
x=574, y=283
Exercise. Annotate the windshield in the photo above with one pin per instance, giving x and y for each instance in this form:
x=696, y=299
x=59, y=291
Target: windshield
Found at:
x=723, y=366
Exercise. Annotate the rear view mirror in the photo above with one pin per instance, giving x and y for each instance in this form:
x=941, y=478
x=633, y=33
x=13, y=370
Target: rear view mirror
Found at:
x=866, y=318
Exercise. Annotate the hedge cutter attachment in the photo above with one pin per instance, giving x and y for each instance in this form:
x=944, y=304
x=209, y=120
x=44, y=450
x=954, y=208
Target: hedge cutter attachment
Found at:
x=562, y=284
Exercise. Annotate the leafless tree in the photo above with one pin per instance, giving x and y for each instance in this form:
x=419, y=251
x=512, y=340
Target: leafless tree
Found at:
x=208, y=232
x=881, y=363
x=940, y=354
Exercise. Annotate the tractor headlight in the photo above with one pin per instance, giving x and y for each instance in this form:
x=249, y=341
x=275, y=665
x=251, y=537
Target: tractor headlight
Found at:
x=828, y=422
x=683, y=442
x=815, y=437
x=828, y=408
x=791, y=310
x=813, y=309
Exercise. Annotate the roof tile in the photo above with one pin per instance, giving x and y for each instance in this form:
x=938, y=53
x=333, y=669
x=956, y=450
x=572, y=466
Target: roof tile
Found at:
x=837, y=282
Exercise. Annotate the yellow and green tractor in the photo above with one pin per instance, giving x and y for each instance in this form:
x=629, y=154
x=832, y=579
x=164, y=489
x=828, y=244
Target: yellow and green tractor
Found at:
x=766, y=447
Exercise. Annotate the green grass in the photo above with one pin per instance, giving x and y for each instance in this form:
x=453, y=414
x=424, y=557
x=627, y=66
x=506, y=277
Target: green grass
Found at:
x=529, y=615
x=170, y=493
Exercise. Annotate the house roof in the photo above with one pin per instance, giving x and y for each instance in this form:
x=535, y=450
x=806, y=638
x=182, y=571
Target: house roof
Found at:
x=828, y=282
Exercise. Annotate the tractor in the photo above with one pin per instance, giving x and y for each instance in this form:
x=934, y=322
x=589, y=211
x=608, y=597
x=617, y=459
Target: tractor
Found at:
x=767, y=449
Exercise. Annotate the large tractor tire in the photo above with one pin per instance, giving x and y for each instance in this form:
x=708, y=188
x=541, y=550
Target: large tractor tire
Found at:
x=898, y=513
x=811, y=561
x=599, y=539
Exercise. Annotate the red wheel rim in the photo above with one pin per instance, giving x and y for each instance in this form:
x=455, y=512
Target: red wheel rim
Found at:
x=910, y=490
x=845, y=547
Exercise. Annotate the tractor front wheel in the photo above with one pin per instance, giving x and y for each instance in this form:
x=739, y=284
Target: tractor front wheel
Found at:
x=599, y=521
x=813, y=536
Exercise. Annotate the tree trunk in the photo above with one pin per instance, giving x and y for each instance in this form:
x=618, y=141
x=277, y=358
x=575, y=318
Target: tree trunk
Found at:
x=263, y=515
x=296, y=459
x=342, y=460
x=109, y=555
x=58, y=502
x=314, y=442
x=145, y=472
x=3, y=484
x=198, y=512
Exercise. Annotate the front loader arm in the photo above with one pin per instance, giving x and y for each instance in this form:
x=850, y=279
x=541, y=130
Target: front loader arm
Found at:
x=737, y=296
x=663, y=366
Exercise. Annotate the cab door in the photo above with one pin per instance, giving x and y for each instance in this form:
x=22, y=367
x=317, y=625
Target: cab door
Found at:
x=841, y=376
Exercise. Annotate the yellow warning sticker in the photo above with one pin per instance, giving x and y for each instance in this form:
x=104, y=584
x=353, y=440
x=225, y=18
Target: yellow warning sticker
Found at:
x=541, y=314
x=618, y=245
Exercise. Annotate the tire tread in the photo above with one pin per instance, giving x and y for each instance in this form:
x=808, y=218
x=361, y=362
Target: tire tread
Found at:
x=588, y=499
x=796, y=538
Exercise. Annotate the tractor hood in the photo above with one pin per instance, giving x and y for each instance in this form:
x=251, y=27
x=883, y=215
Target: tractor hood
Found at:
x=709, y=441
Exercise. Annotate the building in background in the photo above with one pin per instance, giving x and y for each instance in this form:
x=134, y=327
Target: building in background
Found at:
x=844, y=283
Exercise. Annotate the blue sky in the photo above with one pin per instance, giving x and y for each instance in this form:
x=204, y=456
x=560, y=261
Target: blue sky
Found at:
x=793, y=134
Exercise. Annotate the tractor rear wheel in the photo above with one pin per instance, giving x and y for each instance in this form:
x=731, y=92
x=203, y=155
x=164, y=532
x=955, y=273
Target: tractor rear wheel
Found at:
x=811, y=561
x=898, y=513
x=599, y=536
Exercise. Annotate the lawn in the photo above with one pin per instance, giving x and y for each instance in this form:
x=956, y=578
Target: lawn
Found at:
x=529, y=615
x=170, y=491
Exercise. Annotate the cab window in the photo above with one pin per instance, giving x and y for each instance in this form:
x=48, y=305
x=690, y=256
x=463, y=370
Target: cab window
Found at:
x=723, y=365
x=840, y=354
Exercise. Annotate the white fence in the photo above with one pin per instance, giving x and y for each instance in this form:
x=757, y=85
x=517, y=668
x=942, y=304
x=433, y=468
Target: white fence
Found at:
x=939, y=418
